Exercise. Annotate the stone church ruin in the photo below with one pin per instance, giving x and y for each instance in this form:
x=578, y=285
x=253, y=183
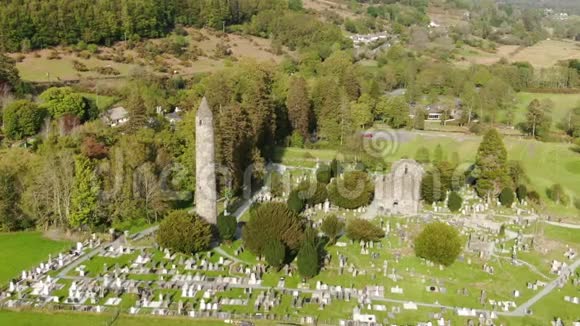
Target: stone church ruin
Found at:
x=399, y=192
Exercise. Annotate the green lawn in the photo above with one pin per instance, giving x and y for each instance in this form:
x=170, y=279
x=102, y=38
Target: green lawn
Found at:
x=571, y=236
x=22, y=250
x=103, y=102
x=562, y=105
x=26, y=318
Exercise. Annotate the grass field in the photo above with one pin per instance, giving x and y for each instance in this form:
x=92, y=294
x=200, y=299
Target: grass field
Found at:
x=571, y=236
x=542, y=54
x=545, y=163
x=563, y=103
x=42, y=69
x=26, y=318
x=37, y=67
x=22, y=250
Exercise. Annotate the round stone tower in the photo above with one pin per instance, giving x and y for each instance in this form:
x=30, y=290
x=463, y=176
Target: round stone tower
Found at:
x=205, y=175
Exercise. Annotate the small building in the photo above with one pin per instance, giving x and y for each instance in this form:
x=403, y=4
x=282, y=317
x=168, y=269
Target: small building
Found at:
x=117, y=116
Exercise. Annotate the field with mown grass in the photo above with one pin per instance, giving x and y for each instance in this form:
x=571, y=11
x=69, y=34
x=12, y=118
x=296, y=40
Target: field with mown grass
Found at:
x=23, y=250
x=563, y=103
x=29, y=318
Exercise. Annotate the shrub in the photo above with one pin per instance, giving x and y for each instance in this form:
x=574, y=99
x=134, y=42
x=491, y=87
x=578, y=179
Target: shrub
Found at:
x=557, y=194
x=275, y=253
x=332, y=227
x=107, y=71
x=353, y=190
x=534, y=197
x=184, y=233
x=79, y=66
x=84, y=55
x=312, y=193
x=439, y=243
x=295, y=202
x=308, y=260
x=296, y=140
x=454, y=202
x=521, y=192
x=273, y=221
x=359, y=229
x=227, y=226
x=506, y=197
x=323, y=174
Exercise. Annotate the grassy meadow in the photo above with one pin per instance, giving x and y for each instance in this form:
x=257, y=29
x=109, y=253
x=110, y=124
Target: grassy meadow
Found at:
x=563, y=103
x=23, y=250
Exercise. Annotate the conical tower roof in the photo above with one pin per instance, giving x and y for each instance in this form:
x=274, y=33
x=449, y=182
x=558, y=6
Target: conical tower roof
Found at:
x=204, y=111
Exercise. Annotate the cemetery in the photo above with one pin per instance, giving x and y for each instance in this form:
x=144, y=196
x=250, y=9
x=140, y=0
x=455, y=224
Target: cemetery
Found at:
x=502, y=267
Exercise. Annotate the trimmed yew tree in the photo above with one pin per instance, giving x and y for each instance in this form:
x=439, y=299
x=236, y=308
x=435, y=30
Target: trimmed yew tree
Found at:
x=506, y=197
x=439, y=243
x=185, y=233
x=360, y=229
x=454, y=202
x=270, y=222
x=355, y=189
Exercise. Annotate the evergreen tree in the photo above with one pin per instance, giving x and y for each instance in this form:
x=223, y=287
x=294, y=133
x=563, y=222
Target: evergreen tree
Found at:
x=454, y=201
x=235, y=143
x=431, y=188
x=275, y=253
x=521, y=192
x=184, y=233
x=422, y=155
x=227, y=226
x=308, y=260
x=332, y=227
x=85, y=194
x=419, y=119
x=273, y=221
x=491, y=165
x=298, y=104
x=295, y=202
x=438, y=155
x=323, y=174
x=506, y=197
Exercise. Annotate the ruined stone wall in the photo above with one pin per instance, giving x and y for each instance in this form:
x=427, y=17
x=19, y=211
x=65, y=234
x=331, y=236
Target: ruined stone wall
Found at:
x=399, y=192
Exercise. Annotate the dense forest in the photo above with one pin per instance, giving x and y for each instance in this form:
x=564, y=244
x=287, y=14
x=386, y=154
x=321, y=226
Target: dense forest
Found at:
x=26, y=24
